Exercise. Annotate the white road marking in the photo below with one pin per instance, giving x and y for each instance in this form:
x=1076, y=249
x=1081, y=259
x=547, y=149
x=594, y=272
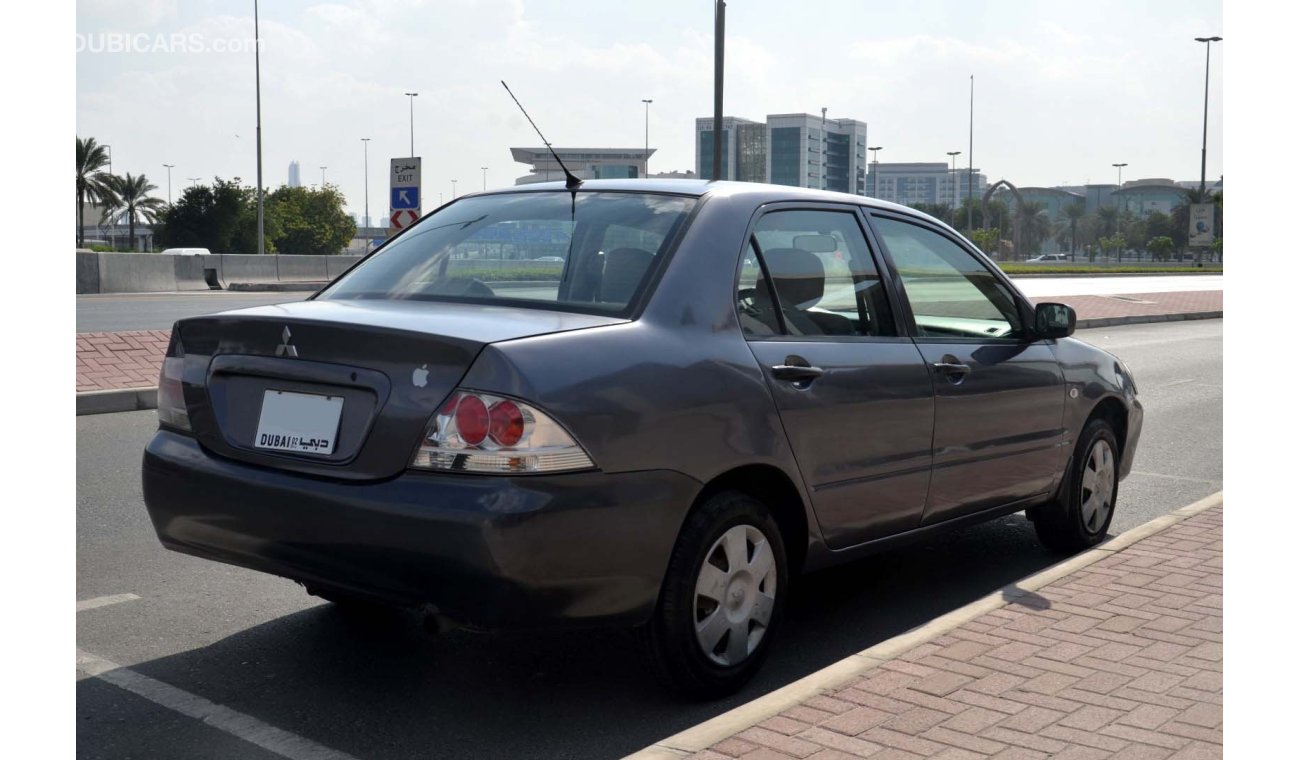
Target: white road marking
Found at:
x=104, y=601
x=235, y=723
x=1176, y=477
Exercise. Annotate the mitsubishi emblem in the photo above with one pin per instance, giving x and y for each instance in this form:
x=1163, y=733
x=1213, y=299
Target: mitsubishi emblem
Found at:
x=286, y=348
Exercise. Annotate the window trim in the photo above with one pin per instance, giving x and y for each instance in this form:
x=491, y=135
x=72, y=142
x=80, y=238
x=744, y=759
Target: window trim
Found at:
x=1023, y=308
x=854, y=210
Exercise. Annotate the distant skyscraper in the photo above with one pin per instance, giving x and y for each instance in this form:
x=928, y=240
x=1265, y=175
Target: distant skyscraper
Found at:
x=799, y=149
x=295, y=180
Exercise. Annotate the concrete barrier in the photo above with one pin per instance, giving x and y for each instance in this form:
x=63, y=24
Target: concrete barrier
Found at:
x=158, y=273
x=87, y=272
x=302, y=268
x=136, y=273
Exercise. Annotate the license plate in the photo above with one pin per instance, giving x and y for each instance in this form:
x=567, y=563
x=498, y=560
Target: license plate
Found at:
x=300, y=422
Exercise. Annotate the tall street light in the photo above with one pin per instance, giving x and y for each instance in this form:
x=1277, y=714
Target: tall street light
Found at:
x=365, y=158
x=453, y=189
x=257, y=67
x=1205, y=128
x=169, y=182
x=322, y=177
x=952, y=154
x=875, y=170
x=1119, y=178
x=648, y=101
x=193, y=180
x=411, y=96
x=484, y=168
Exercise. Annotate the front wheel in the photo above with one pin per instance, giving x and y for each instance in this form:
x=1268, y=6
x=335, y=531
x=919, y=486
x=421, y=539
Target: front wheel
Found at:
x=722, y=598
x=1079, y=518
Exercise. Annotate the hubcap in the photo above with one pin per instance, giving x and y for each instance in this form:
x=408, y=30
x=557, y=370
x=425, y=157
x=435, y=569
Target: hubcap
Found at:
x=1098, y=486
x=735, y=592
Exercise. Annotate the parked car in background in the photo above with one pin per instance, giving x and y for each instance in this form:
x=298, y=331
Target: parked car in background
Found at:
x=730, y=384
x=1048, y=257
x=188, y=251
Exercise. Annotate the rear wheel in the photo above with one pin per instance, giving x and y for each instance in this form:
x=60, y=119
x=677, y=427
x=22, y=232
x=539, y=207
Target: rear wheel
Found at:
x=1081, y=515
x=722, y=598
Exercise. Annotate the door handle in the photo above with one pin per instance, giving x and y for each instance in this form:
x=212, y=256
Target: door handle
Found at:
x=796, y=372
x=952, y=369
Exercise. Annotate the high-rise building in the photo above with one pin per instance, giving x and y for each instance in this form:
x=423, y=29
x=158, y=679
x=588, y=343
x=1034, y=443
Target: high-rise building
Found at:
x=925, y=182
x=295, y=179
x=799, y=149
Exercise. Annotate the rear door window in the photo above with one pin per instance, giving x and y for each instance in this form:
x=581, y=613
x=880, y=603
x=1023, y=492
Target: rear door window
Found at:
x=809, y=273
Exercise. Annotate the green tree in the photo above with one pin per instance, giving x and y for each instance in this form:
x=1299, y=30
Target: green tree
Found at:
x=221, y=217
x=92, y=183
x=986, y=240
x=1108, y=216
x=131, y=199
x=940, y=211
x=1160, y=247
x=310, y=221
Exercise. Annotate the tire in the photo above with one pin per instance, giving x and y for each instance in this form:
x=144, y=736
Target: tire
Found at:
x=752, y=599
x=1080, y=516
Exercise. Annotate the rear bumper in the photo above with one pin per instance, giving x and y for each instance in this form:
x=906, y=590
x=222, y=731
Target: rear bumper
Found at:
x=487, y=551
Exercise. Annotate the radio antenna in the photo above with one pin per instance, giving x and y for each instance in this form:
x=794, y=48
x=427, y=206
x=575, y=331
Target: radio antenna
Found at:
x=570, y=182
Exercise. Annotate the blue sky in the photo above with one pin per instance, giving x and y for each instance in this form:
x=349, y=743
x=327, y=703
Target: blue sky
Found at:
x=1063, y=90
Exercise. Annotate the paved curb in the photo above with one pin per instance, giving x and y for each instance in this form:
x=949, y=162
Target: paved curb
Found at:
x=1142, y=319
x=117, y=400
x=704, y=735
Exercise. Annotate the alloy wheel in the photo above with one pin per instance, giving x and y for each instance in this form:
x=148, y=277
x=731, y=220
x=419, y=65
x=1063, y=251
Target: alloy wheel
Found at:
x=1097, y=488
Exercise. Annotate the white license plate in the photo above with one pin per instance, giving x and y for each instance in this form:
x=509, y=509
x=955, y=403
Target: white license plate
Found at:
x=301, y=422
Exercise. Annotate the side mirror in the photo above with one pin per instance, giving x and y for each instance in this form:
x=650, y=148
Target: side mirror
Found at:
x=1054, y=320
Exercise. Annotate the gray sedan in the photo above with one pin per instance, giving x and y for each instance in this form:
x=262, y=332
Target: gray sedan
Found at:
x=719, y=386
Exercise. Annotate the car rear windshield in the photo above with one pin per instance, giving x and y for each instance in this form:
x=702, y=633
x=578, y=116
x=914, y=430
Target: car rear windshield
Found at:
x=589, y=251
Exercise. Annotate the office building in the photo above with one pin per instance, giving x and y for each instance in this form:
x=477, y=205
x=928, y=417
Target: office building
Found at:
x=798, y=149
x=295, y=178
x=913, y=183
x=585, y=163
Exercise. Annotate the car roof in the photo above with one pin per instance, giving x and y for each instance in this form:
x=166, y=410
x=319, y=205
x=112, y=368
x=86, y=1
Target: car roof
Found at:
x=757, y=191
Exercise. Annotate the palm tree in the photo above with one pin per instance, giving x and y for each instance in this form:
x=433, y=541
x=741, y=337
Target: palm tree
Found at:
x=1071, y=215
x=131, y=199
x=92, y=183
x=1035, y=225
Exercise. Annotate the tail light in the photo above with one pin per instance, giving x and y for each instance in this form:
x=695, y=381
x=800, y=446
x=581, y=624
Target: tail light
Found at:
x=479, y=432
x=171, y=399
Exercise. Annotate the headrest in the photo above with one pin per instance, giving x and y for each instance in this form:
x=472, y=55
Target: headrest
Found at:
x=798, y=276
x=624, y=269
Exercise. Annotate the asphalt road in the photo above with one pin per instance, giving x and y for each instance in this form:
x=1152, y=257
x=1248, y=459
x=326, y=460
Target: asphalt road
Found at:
x=381, y=688
x=158, y=311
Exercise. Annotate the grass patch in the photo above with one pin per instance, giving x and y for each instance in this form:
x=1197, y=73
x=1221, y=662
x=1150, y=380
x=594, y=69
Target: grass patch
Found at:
x=537, y=274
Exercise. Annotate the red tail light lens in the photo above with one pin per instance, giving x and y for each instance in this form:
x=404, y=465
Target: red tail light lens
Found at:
x=481, y=432
x=472, y=419
x=506, y=423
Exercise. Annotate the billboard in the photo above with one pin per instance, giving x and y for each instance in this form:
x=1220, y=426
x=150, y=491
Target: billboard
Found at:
x=1200, y=225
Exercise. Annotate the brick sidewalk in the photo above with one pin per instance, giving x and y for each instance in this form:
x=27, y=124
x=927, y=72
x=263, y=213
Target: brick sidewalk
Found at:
x=111, y=360
x=1120, y=659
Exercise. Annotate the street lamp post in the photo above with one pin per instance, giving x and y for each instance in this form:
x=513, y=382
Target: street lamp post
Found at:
x=193, y=180
x=952, y=154
x=1205, y=125
x=169, y=182
x=365, y=158
x=322, y=177
x=647, y=102
x=875, y=171
x=484, y=168
x=823, y=147
x=257, y=66
x=411, y=96
x=453, y=189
